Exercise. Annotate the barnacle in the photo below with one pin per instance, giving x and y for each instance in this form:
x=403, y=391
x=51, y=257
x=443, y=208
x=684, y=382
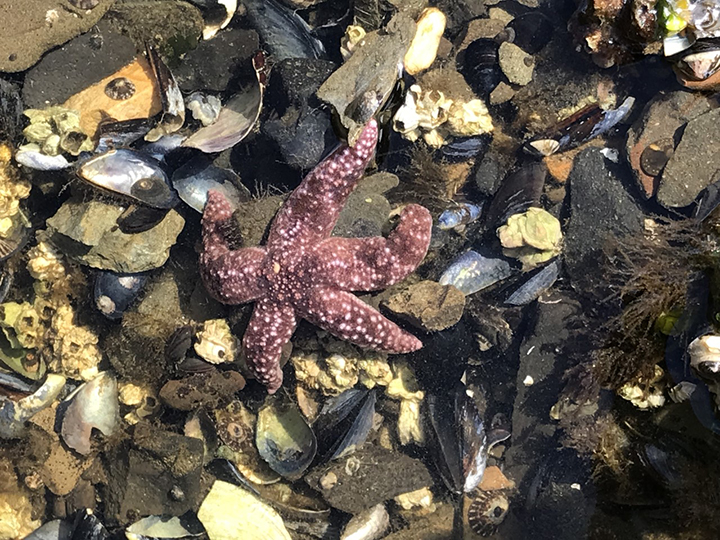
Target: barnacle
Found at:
x=215, y=342
x=73, y=350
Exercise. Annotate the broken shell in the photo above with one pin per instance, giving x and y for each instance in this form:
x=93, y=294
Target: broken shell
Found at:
x=538, y=283
x=205, y=108
x=120, y=89
x=460, y=214
x=487, y=511
x=93, y=405
x=29, y=155
x=704, y=353
x=164, y=527
x=173, y=116
x=14, y=414
x=283, y=437
x=368, y=525
x=424, y=46
x=132, y=174
x=472, y=272
x=230, y=512
x=198, y=176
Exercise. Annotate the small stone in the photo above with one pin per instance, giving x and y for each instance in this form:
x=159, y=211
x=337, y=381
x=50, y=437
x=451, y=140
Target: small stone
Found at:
x=656, y=155
x=500, y=15
x=88, y=233
x=516, y=64
x=429, y=305
x=502, y=93
x=211, y=390
x=328, y=481
x=482, y=29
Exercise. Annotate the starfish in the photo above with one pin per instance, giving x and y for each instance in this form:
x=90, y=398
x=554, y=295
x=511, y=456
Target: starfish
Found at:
x=303, y=272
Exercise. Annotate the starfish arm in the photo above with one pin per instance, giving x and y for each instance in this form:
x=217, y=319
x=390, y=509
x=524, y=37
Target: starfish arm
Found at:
x=271, y=326
x=368, y=264
x=347, y=317
x=312, y=210
x=229, y=276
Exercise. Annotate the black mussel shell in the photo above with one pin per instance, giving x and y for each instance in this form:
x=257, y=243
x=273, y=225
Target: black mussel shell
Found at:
x=116, y=134
x=179, y=343
x=532, y=31
x=11, y=109
x=465, y=148
x=535, y=285
x=461, y=441
x=479, y=65
x=519, y=191
x=88, y=527
x=283, y=437
x=131, y=174
x=114, y=293
x=344, y=423
x=700, y=61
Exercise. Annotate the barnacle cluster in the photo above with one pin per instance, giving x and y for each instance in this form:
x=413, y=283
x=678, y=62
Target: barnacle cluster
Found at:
x=405, y=387
x=12, y=190
x=340, y=366
x=215, y=342
x=55, y=130
x=15, y=507
x=430, y=113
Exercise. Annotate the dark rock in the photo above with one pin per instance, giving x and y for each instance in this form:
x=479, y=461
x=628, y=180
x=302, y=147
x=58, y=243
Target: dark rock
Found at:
x=428, y=305
x=173, y=27
x=533, y=31
x=490, y=173
x=300, y=125
x=460, y=12
x=368, y=477
x=144, y=473
x=366, y=211
x=600, y=209
x=557, y=495
x=88, y=233
x=212, y=390
x=28, y=29
x=76, y=65
x=695, y=163
x=214, y=63
x=437, y=525
x=11, y=109
x=662, y=119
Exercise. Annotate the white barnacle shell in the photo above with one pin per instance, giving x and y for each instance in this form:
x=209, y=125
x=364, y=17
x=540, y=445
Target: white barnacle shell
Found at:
x=704, y=353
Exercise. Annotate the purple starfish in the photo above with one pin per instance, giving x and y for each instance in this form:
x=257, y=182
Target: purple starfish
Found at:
x=302, y=272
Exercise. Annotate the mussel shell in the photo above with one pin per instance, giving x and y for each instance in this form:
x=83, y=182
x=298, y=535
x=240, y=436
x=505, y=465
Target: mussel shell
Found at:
x=57, y=529
x=472, y=272
x=701, y=61
x=179, y=343
x=87, y=526
x=114, y=293
x=283, y=437
x=480, y=67
x=344, y=423
x=140, y=218
x=519, y=191
x=131, y=174
x=538, y=283
x=116, y=134
x=94, y=405
x=198, y=176
x=461, y=440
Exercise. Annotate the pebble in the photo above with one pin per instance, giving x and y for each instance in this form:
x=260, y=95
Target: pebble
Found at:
x=502, y=93
x=516, y=64
x=210, y=390
x=428, y=305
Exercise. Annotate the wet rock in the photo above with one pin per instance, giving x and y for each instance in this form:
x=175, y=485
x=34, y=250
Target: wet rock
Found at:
x=368, y=477
x=145, y=475
x=481, y=29
x=662, y=119
x=173, y=27
x=76, y=65
x=695, y=163
x=428, y=305
x=600, y=208
x=366, y=211
x=28, y=29
x=87, y=232
x=213, y=64
x=459, y=12
x=503, y=92
x=562, y=501
x=301, y=126
x=211, y=390
x=516, y=64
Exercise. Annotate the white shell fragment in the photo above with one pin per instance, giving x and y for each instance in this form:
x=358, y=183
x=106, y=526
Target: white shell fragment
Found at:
x=231, y=513
x=14, y=414
x=94, y=405
x=471, y=272
x=368, y=525
x=424, y=46
x=705, y=355
x=204, y=108
x=212, y=28
x=30, y=156
x=160, y=527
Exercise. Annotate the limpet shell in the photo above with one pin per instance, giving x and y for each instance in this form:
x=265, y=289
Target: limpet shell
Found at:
x=487, y=511
x=120, y=89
